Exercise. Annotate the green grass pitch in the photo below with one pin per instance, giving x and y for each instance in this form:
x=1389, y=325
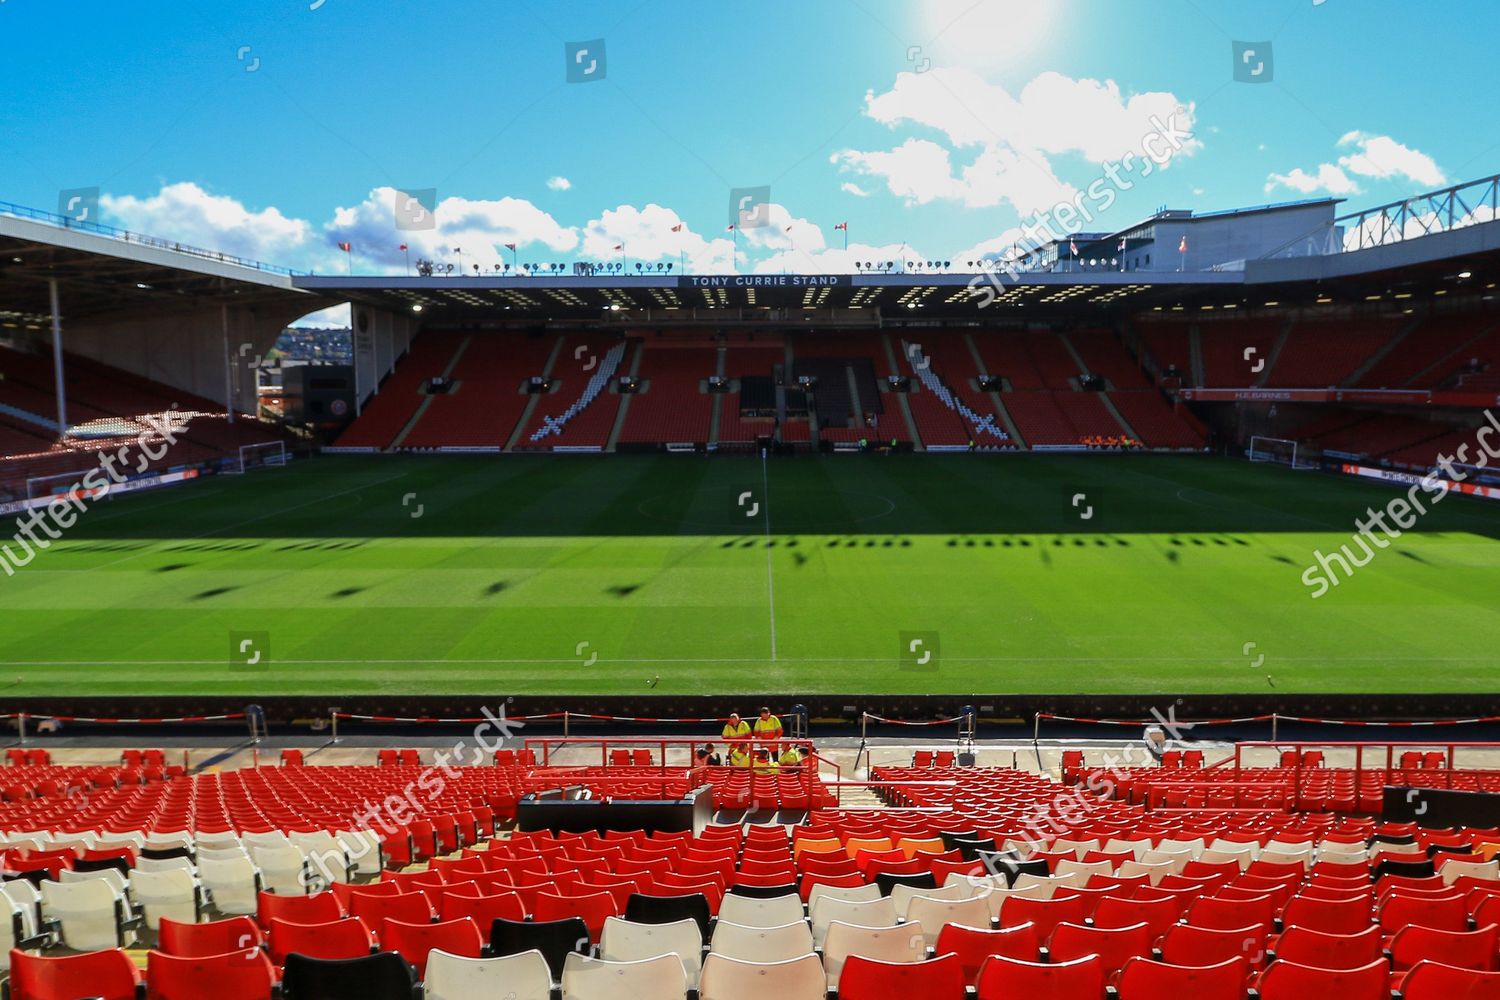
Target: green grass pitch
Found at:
x=639, y=575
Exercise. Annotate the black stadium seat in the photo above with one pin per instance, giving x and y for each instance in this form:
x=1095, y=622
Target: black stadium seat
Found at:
x=887, y=881
x=383, y=976
x=555, y=939
x=763, y=891
x=644, y=909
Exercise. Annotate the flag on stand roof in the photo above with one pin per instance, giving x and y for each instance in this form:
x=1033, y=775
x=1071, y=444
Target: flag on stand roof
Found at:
x=842, y=225
x=345, y=247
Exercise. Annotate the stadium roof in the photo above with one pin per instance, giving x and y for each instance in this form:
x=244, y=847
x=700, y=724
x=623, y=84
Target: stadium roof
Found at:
x=104, y=271
x=1395, y=273
x=100, y=270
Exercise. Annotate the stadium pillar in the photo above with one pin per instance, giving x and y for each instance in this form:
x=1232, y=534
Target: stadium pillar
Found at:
x=57, y=360
x=228, y=365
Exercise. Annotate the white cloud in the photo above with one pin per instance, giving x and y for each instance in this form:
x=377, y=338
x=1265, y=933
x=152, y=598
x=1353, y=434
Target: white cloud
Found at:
x=783, y=232
x=332, y=316
x=479, y=228
x=559, y=183
x=1378, y=157
x=186, y=213
x=1329, y=178
x=1381, y=156
x=835, y=260
x=1015, y=137
x=647, y=235
x=848, y=187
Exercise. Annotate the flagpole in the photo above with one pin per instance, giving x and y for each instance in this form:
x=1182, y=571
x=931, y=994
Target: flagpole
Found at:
x=349, y=260
x=407, y=251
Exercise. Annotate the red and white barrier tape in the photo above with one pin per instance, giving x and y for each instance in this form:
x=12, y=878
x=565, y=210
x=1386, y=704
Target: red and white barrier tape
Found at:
x=903, y=722
x=1365, y=722
x=427, y=719
x=112, y=722
x=1151, y=722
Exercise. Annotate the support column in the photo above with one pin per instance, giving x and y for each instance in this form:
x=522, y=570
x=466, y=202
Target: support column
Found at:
x=57, y=361
x=228, y=364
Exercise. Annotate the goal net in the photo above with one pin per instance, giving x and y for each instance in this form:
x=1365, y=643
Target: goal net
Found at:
x=272, y=454
x=1280, y=451
x=46, y=486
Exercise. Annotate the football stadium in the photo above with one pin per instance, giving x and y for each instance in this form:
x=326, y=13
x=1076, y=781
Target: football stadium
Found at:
x=586, y=576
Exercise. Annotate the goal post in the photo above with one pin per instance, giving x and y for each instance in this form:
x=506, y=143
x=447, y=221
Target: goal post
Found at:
x=62, y=482
x=271, y=454
x=1279, y=450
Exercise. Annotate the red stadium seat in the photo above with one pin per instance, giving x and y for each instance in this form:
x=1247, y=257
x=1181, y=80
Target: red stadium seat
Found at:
x=1188, y=945
x=315, y=909
x=1113, y=945
x=1449, y=913
x=216, y=937
x=973, y=945
x=1046, y=914
x=412, y=907
x=1290, y=981
x=334, y=939
x=1475, y=950
x=1435, y=981
x=867, y=979
x=594, y=908
x=106, y=975
x=482, y=909
x=1011, y=979
x=1226, y=914
x=1144, y=979
x=1157, y=914
x=414, y=941
x=1307, y=946
x=238, y=975
x=1350, y=917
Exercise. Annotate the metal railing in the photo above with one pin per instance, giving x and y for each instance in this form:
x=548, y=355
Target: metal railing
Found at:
x=1451, y=208
x=126, y=236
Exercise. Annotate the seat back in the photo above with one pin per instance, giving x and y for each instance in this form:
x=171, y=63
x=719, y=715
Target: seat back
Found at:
x=332, y=939
x=383, y=976
x=107, y=975
x=762, y=944
x=1114, y=945
x=414, y=942
x=871, y=979
x=661, y=976
x=727, y=978
x=769, y=912
x=237, y=975
x=554, y=939
x=1436, y=981
x=626, y=941
x=90, y=914
x=875, y=913
x=1144, y=979
x=1003, y=978
x=1292, y=981
x=906, y=943
x=523, y=976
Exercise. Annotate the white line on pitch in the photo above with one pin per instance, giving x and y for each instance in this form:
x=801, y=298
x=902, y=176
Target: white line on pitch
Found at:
x=765, y=480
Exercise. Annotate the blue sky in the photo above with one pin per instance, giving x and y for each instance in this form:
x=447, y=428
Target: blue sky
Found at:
x=279, y=128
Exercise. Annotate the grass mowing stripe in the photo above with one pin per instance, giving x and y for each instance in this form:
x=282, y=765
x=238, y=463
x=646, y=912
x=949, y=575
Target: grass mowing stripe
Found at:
x=517, y=559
